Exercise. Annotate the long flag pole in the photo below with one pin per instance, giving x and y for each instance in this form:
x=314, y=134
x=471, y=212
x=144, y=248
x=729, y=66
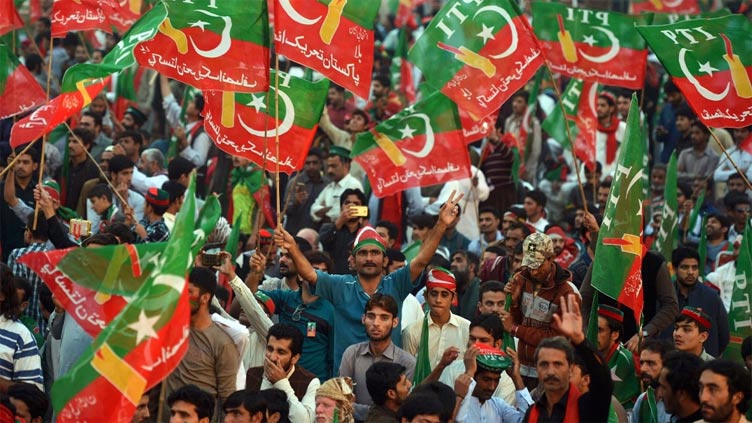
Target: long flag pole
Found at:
x=44, y=138
x=720, y=144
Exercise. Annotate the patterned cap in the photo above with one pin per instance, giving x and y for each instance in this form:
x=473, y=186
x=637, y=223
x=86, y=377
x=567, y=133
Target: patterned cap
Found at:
x=440, y=277
x=609, y=312
x=491, y=359
x=536, y=249
x=52, y=188
x=157, y=197
x=368, y=236
x=266, y=301
x=698, y=316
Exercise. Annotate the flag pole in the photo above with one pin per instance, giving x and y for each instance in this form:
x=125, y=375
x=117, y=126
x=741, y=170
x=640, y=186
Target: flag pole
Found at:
x=44, y=138
x=12, y=162
x=276, y=136
x=728, y=156
x=569, y=137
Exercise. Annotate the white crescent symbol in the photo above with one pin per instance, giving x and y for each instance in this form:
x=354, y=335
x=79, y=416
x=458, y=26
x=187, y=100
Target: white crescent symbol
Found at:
x=283, y=127
x=224, y=44
x=610, y=54
x=428, y=146
x=700, y=89
x=672, y=3
x=294, y=15
x=504, y=14
x=592, y=97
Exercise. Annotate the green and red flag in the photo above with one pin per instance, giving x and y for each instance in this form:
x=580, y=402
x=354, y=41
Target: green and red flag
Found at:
x=420, y=146
x=710, y=60
x=664, y=6
x=213, y=46
x=142, y=345
x=403, y=12
x=624, y=375
x=670, y=18
x=668, y=236
x=579, y=100
x=739, y=320
x=334, y=37
x=478, y=55
x=617, y=265
x=93, y=285
x=592, y=45
x=648, y=412
x=402, y=69
x=126, y=87
x=80, y=15
x=19, y=91
x=242, y=124
x=9, y=18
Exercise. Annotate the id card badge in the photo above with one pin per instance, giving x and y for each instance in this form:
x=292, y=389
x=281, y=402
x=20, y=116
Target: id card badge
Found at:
x=311, y=331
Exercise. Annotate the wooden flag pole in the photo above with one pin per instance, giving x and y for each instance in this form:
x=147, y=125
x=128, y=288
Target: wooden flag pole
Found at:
x=44, y=138
x=276, y=135
x=728, y=156
x=12, y=162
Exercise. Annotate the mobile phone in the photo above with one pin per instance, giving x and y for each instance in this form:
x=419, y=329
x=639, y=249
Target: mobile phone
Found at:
x=360, y=211
x=211, y=255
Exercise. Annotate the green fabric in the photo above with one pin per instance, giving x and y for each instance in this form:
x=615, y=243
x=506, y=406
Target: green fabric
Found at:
x=648, y=408
x=232, y=240
x=507, y=338
x=592, y=328
x=31, y=324
x=702, y=248
x=624, y=375
x=250, y=177
x=667, y=234
x=243, y=202
x=423, y=363
x=695, y=212
x=738, y=316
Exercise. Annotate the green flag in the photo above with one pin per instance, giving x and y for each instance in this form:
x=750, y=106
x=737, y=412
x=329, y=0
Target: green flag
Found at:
x=232, y=240
x=739, y=320
x=667, y=234
x=423, y=363
x=648, y=407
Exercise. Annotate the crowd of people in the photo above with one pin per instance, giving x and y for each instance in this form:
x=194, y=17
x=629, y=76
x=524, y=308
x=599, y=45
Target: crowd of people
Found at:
x=468, y=302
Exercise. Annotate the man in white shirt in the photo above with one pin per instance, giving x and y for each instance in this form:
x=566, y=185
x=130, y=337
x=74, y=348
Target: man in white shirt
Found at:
x=150, y=171
x=326, y=208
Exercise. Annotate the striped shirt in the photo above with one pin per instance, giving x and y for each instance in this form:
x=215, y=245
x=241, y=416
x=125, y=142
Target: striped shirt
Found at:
x=22, y=271
x=19, y=355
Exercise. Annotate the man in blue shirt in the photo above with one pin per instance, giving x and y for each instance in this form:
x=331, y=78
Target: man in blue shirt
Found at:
x=349, y=293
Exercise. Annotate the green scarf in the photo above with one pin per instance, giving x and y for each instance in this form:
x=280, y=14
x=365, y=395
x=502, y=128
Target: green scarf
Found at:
x=251, y=177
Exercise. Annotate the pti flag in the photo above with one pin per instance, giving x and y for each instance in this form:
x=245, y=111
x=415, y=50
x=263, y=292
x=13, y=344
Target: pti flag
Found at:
x=668, y=236
x=92, y=283
x=579, y=101
x=9, y=17
x=670, y=18
x=144, y=343
x=478, y=55
x=242, y=124
x=710, y=60
x=739, y=320
x=80, y=15
x=617, y=265
x=664, y=6
x=125, y=13
x=592, y=45
x=421, y=145
x=19, y=91
x=334, y=37
x=213, y=46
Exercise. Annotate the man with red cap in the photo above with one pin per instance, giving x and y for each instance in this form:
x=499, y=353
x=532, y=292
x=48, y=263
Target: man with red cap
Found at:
x=610, y=132
x=565, y=248
x=349, y=293
x=445, y=328
x=619, y=359
x=152, y=227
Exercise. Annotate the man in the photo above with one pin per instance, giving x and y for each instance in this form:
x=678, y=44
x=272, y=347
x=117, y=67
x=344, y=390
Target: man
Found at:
x=739, y=156
x=358, y=122
x=193, y=142
x=665, y=131
x=735, y=183
x=421, y=225
x=152, y=228
x=284, y=345
x=256, y=407
x=601, y=195
x=334, y=401
x=337, y=107
x=445, y=329
x=389, y=232
x=716, y=231
x=492, y=298
x=489, y=220
x=497, y=166
x=610, y=132
x=565, y=248
x=36, y=240
x=724, y=391
x=81, y=168
x=337, y=237
x=678, y=386
x=420, y=408
x=142, y=414
x=689, y=292
x=326, y=207
x=304, y=192
x=121, y=175
x=388, y=386
x=554, y=359
x=685, y=117
x=535, y=204
x=691, y=332
x=93, y=122
x=475, y=189
x=481, y=378
x=618, y=358
x=523, y=125
x=652, y=356
x=349, y=293
x=177, y=195
x=515, y=233
x=212, y=360
x=698, y=160
x=464, y=267
x=31, y=403
x=23, y=175
x=535, y=291
x=385, y=102
x=189, y=404
x=739, y=207
x=454, y=240
x=150, y=172
x=379, y=320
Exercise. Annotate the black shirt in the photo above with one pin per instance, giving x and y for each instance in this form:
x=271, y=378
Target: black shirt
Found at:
x=12, y=230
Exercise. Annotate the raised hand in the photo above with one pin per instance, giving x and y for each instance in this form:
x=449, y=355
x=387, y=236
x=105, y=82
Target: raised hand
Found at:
x=449, y=211
x=570, y=322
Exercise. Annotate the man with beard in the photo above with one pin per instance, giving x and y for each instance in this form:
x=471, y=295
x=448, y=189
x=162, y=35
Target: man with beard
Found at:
x=304, y=191
x=350, y=293
x=610, y=132
x=724, y=392
x=485, y=364
x=689, y=292
x=489, y=220
x=464, y=268
x=651, y=363
x=716, y=230
x=565, y=249
x=212, y=360
x=337, y=237
x=379, y=319
x=618, y=358
x=678, y=386
x=23, y=175
x=284, y=344
x=326, y=207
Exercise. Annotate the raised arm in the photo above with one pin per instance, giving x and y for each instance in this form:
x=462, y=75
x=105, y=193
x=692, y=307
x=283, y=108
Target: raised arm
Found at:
x=283, y=239
x=447, y=214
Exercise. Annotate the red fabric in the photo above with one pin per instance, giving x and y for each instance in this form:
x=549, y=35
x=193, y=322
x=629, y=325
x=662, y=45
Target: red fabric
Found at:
x=572, y=414
x=391, y=211
x=611, y=144
x=746, y=145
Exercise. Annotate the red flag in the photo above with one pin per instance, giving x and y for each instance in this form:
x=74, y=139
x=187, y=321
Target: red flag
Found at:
x=19, y=91
x=9, y=17
x=125, y=13
x=80, y=15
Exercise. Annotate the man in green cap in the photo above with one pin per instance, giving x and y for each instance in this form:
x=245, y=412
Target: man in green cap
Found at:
x=326, y=208
x=475, y=388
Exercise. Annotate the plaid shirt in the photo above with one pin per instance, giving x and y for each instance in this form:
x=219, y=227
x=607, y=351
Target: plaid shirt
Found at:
x=155, y=231
x=20, y=270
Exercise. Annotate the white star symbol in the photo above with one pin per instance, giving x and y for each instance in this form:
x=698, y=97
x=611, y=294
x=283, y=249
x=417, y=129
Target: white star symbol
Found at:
x=199, y=23
x=144, y=327
x=589, y=40
x=486, y=34
x=705, y=67
x=257, y=103
x=614, y=377
x=407, y=132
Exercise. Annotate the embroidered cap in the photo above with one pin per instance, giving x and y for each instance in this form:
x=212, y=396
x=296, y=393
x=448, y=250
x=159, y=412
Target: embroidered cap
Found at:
x=699, y=316
x=52, y=188
x=536, y=249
